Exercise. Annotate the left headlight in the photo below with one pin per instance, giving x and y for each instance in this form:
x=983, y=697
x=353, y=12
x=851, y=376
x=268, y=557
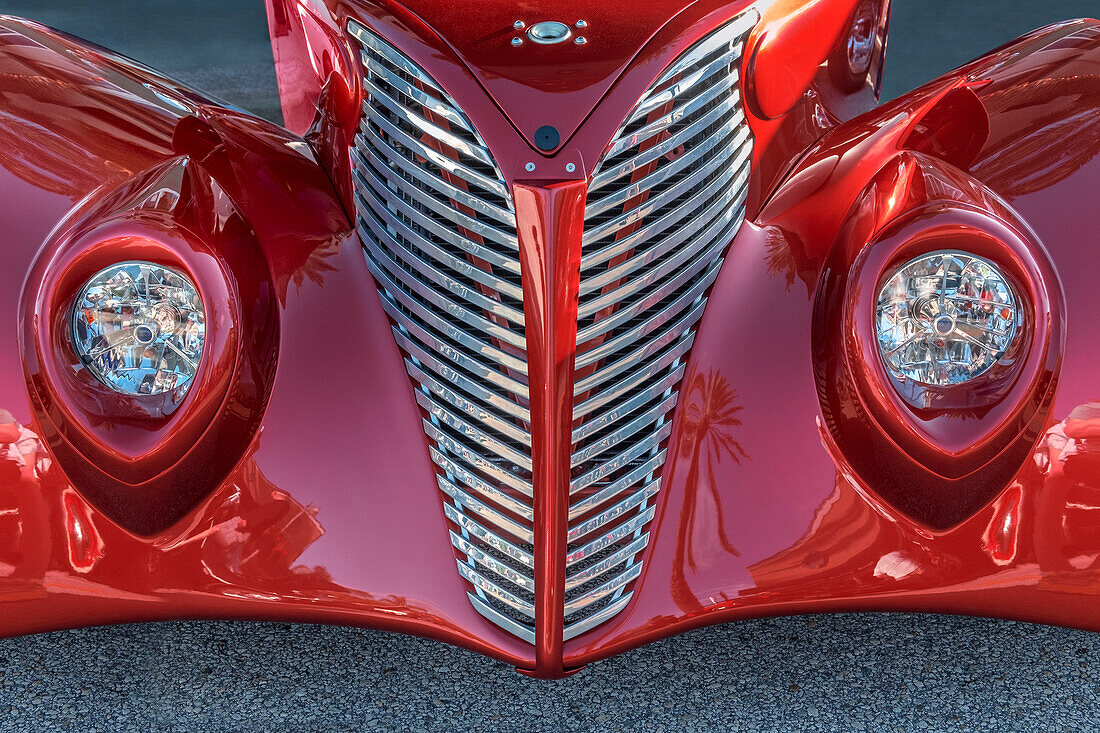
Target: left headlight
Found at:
x=140, y=328
x=945, y=318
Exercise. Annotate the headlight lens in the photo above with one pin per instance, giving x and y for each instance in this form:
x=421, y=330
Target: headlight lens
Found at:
x=945, y=318
x=140, y=328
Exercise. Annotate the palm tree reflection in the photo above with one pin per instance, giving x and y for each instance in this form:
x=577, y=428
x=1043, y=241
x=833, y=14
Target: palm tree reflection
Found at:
x=710, y=415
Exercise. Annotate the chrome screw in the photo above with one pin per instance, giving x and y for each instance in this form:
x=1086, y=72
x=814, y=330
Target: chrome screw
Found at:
x=570, y=167
x=517, y=41
x=519, y=25
x=581, y=40
x=582, y=23
x=530, y=167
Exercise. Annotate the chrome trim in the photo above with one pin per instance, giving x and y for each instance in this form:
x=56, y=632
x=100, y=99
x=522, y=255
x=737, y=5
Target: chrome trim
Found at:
x=438, y=227
x=490, y=588
x=665, y=201
x=576, y=629
x=641, y=496
x=616, y=583
x=527, y=633
x=610, y=537
x=394, y=159
x=391, y=54
x=388, y=178
x=460, y=267
x=425, y=100
x=594, y=571
x=489, y=537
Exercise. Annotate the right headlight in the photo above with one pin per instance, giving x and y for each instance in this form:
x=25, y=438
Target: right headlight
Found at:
x=140, y=328
x=945, y=318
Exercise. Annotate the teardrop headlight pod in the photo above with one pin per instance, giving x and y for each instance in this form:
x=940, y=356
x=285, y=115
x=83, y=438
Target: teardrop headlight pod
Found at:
x=140, y=328
x=945, y=318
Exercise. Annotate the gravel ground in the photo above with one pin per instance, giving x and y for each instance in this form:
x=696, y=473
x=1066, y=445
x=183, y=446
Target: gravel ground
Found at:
x=846, y=672
x=872, y=672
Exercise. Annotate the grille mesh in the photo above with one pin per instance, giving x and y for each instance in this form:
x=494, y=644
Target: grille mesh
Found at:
x=666, y=199
x=439, y=228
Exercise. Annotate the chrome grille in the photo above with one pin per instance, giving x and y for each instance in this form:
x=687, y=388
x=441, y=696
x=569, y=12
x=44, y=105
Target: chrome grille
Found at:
x=666, y=199
x=439, y=230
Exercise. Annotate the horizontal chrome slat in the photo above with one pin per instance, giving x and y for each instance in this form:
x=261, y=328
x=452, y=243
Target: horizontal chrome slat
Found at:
x=417, y=264
x=632, y=380
x=394, y=159
x=476, y=460
x=396, y=205
x=672, y=265
x=490, y=563
x=527, y=633
x=381, y=221
x=493, y=399
x=450, y=165
x=607, y=174
x=603, y=349
x=648, y=182
x=664, y=255
x=424, y=125
x=452, y=354
x=492, y=589
x=489, y=537
x=649, y=346
x=635, y=450
x=483, y=489
x=577, y=628
x=609, y=538
x=685, y=210
x=677, y=114
x=445, y=327
x=595, y=425
x=391, y=54
x=603, y=591
x=471, y=432
x=482, y=511
x=453, y=308
x=621, y=484
x=728, y=34
x=467, y=407
x=373, y=165
x=679, y=88
x=595, y=570
x=594, y=448
x=659, y=200
x=710, y=260
x=419, y=96
x=630, y=503
x=475, y=483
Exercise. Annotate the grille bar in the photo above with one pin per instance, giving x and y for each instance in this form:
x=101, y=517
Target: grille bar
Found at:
x=439, y=233
x=665, y=201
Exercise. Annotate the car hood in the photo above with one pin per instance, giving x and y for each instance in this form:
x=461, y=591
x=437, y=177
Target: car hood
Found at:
x=519, y=77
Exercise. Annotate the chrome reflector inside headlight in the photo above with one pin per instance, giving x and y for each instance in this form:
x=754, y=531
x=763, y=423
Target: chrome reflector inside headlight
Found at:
x=140, y=328
x=945, y=318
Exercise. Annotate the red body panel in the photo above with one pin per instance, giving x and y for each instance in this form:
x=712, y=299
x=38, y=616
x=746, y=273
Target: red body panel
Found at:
x=295, y=482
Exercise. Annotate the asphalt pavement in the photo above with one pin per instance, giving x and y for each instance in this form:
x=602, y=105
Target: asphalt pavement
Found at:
x=851, y=672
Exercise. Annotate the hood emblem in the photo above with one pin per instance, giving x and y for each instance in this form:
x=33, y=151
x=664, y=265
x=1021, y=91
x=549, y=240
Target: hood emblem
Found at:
x=548, y=32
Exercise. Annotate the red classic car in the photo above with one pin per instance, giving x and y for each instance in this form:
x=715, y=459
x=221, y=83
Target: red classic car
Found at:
x=551, y=329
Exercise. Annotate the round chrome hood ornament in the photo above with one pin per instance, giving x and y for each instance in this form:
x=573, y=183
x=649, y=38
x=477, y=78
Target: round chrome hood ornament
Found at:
x=548, y=31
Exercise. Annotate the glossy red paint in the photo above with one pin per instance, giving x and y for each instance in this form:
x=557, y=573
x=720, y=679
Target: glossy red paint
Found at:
x=551, y=222
x=295, y=483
